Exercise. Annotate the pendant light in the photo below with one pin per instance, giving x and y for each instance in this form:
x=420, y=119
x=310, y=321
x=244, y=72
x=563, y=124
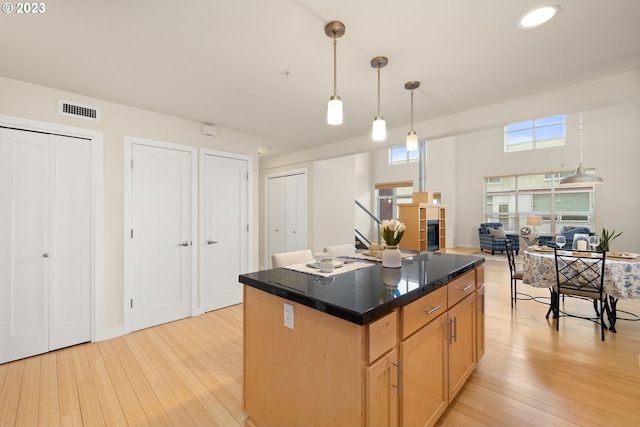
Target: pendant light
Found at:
x=334, y=29
x=379, y=129
x=412, y=137
x=581, y=176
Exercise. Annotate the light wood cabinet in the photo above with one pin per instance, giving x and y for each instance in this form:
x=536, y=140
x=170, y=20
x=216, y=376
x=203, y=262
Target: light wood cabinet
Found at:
x=414, y=217
x=382, y=391
x=402, y=369
x=462, y=343
x=425, y=392
x=437, y=360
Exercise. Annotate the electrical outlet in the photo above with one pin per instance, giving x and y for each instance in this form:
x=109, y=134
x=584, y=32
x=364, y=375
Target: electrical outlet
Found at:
x=288, y=315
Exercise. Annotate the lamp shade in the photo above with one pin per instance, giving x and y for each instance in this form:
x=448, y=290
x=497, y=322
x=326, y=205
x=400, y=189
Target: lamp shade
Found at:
x=534, y=220
x=582, y=177
x=412, y=141
x=379, y=129
x=334, y=111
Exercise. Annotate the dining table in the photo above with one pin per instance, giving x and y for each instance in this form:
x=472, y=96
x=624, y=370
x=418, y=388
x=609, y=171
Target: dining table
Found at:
x=621, y=275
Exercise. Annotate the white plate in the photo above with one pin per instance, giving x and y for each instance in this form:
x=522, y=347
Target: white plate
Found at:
x=316, y=264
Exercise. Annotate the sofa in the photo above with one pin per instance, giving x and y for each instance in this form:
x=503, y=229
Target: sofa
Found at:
x=569, y=232
x=490, y=234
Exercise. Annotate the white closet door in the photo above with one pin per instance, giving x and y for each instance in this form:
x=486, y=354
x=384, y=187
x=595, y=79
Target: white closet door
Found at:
x=225, y=229
x=70, y=249
x=296, y=212
x=24, y=243
x=277, y=193
x=162, y=242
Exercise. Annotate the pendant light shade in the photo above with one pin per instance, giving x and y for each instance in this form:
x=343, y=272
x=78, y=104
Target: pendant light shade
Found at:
x=581, y=176
x=379, y=129
x=334, y=29
x=412, y=137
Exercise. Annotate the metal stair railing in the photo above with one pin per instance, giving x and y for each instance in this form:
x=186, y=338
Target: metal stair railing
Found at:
x=374, y=218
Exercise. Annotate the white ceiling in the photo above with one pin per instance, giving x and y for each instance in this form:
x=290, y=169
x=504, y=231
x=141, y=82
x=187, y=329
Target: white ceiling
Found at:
x=223, y=61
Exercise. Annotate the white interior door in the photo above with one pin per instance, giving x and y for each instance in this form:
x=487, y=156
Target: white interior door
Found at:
x=296, y=212
x=24, y=241
x=226, y=234
x=161, y=219
x=70, y=253
x=45, y=243
x=277, y=193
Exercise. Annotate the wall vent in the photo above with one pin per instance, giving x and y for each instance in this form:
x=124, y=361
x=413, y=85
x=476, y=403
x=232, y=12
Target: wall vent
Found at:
x=66, y=108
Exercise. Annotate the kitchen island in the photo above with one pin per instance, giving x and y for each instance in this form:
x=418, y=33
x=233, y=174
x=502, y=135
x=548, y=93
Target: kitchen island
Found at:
x=371, y=347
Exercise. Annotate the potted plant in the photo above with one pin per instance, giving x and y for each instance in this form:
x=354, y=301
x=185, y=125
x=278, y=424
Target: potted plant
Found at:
x=392, y=232
x=606, y=237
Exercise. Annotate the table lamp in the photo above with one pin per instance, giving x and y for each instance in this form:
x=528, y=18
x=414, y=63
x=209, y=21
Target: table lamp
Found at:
x=534, y=221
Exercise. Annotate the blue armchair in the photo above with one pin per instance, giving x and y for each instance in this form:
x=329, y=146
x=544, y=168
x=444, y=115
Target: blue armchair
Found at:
x=568, y=232
x=489, y=242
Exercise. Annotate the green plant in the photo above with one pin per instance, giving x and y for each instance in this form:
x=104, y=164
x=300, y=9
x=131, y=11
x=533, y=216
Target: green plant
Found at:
x=392, y=231
x=606, y=237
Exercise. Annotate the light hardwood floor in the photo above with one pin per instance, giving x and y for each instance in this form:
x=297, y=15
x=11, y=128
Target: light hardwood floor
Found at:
x=189, y=373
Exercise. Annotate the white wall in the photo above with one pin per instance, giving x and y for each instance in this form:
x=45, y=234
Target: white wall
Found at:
x=611, y=145
x=334, y=195
x=27, y=101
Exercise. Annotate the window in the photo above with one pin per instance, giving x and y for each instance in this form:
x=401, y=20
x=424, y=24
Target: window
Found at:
x=399, y=155
x=534, y=134
x=390, y=195
x=516, y=197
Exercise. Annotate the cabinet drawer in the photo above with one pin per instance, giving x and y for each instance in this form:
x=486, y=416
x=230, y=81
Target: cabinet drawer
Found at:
x=461, y=287
x=423, y=310
x=383, y=335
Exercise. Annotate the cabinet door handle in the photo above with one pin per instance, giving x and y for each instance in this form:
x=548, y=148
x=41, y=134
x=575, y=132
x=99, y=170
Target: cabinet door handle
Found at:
x=46, y=255
x=211, y=242
x=433, y=309
x=466, y=288
x=185, y=243
x=455, y=329
x=399, y=385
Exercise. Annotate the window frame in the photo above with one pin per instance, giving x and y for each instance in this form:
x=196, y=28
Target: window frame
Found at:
x=536, y=127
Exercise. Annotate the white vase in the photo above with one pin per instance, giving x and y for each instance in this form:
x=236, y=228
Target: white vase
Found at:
x=391, y=257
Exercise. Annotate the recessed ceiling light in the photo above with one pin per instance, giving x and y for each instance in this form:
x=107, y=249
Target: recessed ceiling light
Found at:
x=538, y=16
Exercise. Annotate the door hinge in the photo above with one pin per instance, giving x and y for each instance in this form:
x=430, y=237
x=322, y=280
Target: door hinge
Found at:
x=131, y=302
x=131, y=163
x=247, y=228
x=132, y=233
x=247, y=176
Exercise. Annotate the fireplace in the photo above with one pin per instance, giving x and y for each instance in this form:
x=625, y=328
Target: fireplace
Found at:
x=433, y=240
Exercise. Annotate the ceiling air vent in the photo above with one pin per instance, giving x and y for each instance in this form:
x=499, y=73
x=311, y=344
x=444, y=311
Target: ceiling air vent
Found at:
x=76, y=110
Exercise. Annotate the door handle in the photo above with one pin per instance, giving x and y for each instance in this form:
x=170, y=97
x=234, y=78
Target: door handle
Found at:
x=185, y=243
x=46, y=255
x=211, y=242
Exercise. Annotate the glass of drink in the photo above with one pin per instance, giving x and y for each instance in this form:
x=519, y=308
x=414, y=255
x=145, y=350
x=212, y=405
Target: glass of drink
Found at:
x=561, y=241
x=594, y=241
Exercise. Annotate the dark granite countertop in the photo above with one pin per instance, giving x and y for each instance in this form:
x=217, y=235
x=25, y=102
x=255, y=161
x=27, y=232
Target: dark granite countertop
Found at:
x=361, y=296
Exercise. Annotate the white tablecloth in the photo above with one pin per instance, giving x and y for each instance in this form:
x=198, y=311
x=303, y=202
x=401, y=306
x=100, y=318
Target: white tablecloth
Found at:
x=621, y=280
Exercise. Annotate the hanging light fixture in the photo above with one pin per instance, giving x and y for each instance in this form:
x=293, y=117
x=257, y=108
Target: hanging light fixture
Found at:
x=334, y=29
x=581, y=176
x=379, y=129
x=412, y=137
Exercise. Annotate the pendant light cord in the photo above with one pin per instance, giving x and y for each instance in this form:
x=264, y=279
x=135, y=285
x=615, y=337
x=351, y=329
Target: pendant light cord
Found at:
x=411, y=110
x=580, y=137
x=378, y=90
x=335, y=74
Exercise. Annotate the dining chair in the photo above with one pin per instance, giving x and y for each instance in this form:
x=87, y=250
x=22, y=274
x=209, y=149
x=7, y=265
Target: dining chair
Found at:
x=341, y=250
x=580, y=275
x=515, y=274
x=283, y=259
